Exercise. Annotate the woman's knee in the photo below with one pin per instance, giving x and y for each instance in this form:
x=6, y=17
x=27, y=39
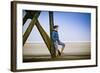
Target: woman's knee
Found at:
x=63, y=44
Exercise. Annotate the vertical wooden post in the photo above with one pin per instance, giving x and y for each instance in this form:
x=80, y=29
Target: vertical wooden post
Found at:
x=51, y=21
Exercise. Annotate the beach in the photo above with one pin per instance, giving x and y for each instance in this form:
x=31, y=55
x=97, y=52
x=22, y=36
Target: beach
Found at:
x=33, y=52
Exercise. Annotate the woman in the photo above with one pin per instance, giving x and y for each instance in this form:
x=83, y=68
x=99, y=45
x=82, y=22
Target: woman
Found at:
x=56, y=41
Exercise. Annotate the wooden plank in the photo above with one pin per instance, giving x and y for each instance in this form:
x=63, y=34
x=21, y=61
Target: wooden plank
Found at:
x=31, y=25
x=44, y=35
x=51, y=22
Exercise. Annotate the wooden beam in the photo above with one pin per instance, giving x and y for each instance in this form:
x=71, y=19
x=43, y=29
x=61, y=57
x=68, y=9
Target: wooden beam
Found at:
x=29, y=14
x=31, y=25
x=51, y=22
x=25, y=18
x=44, y=35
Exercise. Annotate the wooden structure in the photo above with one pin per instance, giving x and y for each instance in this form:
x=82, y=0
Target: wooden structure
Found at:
x=34, y=16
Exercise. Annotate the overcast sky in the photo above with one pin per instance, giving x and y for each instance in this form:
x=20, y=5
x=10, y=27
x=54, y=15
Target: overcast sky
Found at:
x=72, y=26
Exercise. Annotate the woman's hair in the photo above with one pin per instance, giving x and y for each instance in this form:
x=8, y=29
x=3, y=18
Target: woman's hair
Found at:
x=55, y=26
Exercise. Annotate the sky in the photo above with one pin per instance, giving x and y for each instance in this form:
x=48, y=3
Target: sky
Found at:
x=73, y=26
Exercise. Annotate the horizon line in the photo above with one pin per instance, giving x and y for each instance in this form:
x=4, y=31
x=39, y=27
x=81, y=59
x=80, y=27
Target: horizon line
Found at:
x=64, y=42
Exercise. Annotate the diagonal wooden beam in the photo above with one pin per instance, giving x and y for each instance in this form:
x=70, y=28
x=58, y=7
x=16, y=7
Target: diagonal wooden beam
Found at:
x=31, y=25
x=44, y=35
x=29, y=14
x=25, y=18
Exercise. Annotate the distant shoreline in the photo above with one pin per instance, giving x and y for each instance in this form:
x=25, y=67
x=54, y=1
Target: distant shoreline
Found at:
x=62, y=41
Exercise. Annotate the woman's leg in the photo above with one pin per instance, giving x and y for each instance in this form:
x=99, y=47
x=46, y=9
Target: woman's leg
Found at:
x=62, y=44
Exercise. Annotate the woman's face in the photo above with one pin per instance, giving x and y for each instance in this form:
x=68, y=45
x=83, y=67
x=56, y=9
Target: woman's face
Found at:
x=57, y=29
